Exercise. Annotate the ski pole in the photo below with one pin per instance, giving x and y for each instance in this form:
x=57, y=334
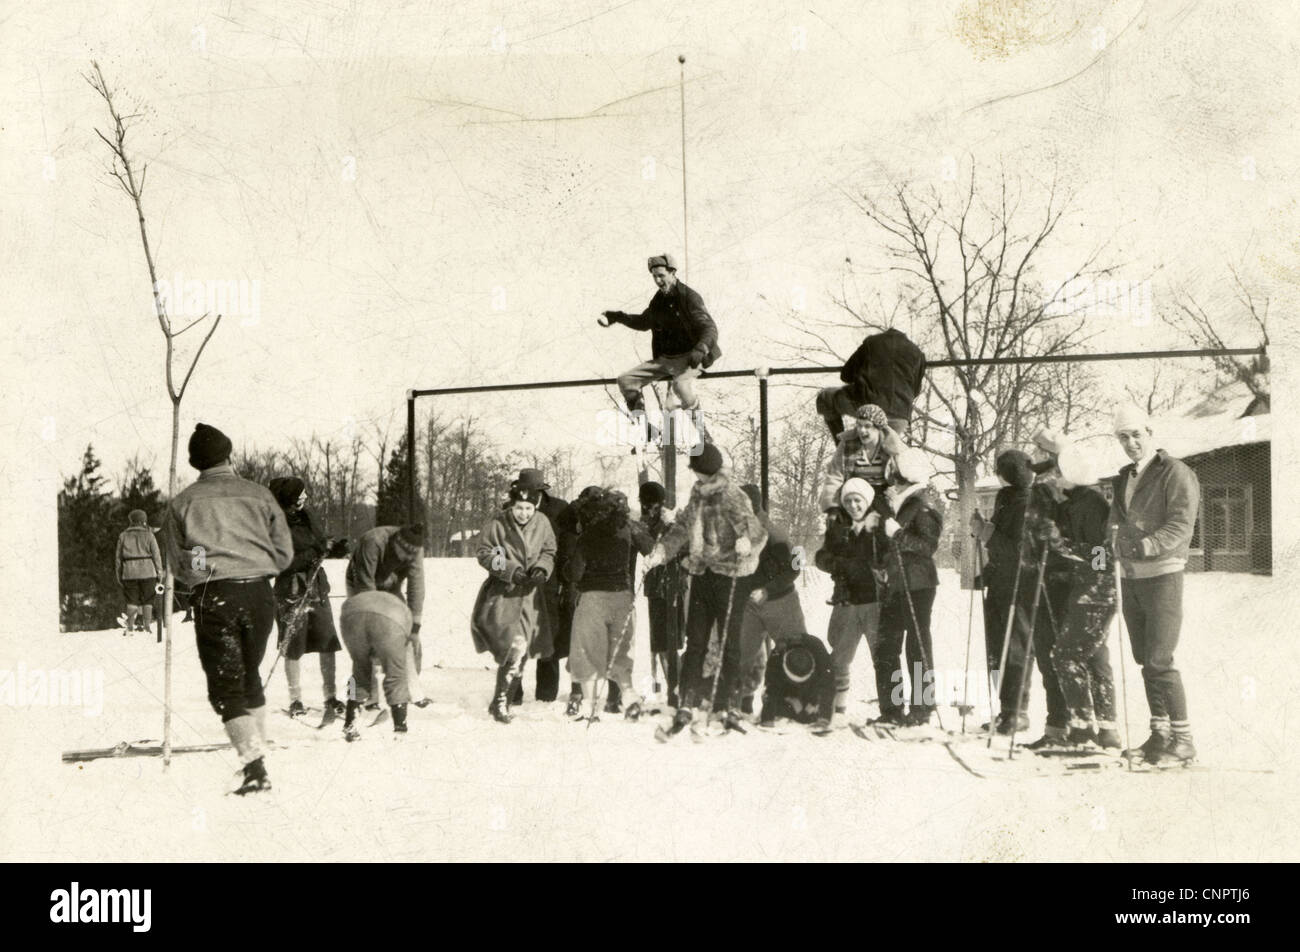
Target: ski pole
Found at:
x=1029, y=653
x=916, y=629
x=291, y=623
x=1119, y=633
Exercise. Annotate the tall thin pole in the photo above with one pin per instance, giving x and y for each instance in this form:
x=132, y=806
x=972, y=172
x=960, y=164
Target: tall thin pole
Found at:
x=410, y=457
x=762, y=423
x=686, y=246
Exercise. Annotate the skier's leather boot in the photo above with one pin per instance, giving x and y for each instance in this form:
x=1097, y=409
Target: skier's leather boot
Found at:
x=633, y=712
x=255, y=778
x=574, y=707
x=1109, y=739
x=1150, y=750
x=1052, y=737
x=399, y=718
x=296, y=709
x=500, y=708
x=1081, y=737
x=1179, y=752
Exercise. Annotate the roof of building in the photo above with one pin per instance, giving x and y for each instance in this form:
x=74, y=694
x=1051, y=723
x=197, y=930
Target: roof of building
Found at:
x=1226, y=417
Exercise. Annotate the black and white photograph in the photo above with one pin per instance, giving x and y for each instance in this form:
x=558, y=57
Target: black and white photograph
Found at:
x=636, y=432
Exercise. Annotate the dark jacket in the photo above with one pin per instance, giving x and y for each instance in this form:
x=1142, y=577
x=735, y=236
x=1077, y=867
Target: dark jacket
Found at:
x=309, y=547
x=920, y=521
x=849, y=558
x=887, y=370
x=602, y=560
x=807, y=701
x=776, y=573
x=678, y=323
x=662, y=581
x=1081, y=518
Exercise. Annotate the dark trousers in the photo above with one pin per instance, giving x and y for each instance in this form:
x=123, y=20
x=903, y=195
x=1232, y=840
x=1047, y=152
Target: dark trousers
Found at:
x=1153, y=613
x=1080, y=656
x=1051, y=612
x=662, y=644
x=709, y=607
x=232, y=623
x=997, y=605
x=899, y=634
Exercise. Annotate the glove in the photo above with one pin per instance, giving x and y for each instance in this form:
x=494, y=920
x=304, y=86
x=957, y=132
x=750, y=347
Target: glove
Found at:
x=758, y=596
x=873, y=520
x=536, y=575
x=743, y=547
x=695, y=358
x=520, y=576
x=880, y=575
x=891, y=526
x=606, y=318
x=415, y=629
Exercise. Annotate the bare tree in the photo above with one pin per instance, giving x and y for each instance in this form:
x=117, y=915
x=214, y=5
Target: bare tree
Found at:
x=124, y=171
x=1189, y=317
x=973, y=289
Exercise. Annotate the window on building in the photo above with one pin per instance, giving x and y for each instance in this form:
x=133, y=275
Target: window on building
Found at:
x=1225, y=520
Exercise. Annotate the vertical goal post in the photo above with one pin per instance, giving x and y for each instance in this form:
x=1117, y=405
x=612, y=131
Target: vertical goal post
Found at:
x=762, y=374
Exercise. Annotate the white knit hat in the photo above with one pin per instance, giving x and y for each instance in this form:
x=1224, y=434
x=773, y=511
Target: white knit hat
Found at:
x=857, y=487
x=1076, y=467
x=1131, y=418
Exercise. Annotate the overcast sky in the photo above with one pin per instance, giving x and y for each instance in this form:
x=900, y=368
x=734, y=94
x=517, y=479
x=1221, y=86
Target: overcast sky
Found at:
x=448, y=194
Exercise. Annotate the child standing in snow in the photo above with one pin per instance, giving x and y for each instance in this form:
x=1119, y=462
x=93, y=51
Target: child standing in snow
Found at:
x=518, y=550
x=849, y=555
x=599, y=568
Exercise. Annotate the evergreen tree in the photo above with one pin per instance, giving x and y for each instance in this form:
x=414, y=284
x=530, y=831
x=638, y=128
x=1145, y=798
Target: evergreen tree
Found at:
x=390, y=501
x=89, y=595
x=139, y=492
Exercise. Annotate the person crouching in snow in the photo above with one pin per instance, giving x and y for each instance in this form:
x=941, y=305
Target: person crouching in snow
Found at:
x=518, y=550
x=772, y=609
x=849, y=555
x=377, y=631
x=599, y=568
x=913, y=531
x=723, y=539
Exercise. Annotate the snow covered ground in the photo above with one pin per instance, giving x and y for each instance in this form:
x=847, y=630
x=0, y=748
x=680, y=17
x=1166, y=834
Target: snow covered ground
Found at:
x=461, y=787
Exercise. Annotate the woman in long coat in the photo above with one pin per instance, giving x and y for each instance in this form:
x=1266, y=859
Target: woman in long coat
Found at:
x=302, y=602
x=518, y=550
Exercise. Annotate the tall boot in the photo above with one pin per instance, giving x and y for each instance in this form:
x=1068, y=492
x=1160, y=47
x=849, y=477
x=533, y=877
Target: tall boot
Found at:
x=500, y=706
x=350, y=730
x=399, y=718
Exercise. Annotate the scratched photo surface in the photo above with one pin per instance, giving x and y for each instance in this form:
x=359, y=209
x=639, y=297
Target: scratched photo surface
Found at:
x=299, y=223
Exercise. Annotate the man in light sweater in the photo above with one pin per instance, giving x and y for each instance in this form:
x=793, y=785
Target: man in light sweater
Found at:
x=1153, y=514
x=227, y=539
